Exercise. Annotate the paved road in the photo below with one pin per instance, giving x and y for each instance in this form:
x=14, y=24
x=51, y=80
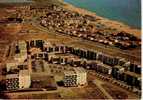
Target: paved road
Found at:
x=31, y=92
x=99, y=83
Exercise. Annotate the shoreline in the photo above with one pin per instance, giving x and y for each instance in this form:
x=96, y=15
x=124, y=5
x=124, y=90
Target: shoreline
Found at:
x=107, y=22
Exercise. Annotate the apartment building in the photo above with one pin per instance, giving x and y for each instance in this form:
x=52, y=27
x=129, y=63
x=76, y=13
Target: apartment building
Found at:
x=75, y=77
x=20, y=80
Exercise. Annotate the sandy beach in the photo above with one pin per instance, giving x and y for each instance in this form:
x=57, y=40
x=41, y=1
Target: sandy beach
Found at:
x=110, y=23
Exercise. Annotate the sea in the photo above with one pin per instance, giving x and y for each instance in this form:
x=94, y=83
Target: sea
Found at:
x=125, y=11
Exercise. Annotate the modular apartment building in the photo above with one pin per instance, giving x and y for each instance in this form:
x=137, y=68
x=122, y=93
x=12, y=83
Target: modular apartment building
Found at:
x=105, y=64
x=75, y=77
x=21, y=51
x=21, y=80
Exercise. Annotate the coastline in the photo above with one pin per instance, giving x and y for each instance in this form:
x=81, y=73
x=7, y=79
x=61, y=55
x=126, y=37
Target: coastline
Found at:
x=107, y=22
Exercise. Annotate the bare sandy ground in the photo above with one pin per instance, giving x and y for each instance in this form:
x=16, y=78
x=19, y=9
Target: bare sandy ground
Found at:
x=110, y=23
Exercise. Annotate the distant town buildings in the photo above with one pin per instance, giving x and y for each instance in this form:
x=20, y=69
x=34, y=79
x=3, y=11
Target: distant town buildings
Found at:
x=63, y=21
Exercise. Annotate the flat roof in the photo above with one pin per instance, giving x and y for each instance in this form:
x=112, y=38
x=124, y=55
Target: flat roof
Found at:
x=79, y=70
x=133, y=74
x=9, y=76
x=65, y=55
x=24, y=72
x=105, y=65
x=11, y=61
x=48, y=44
x=71, y=72
x=118, y=66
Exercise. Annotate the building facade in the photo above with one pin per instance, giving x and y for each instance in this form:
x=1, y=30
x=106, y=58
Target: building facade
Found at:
x=21, y=80
x=75, y=77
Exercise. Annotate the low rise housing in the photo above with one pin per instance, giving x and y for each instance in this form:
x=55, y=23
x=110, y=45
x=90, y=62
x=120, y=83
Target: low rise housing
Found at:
x=35, y=43
x=135, y=68
x=132, y=79
x=91, y=55
x=40, y=55
x=103, y=68
x=52, y=58
x=55, y=48
x=107, y=59
x=117, y=72
x=98, y=66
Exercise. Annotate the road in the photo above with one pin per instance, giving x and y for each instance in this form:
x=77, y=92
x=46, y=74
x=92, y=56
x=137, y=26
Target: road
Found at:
x=99, y=84
x=32, y=92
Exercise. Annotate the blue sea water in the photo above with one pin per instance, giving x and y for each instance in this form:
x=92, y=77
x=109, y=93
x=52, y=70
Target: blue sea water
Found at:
x=126, y=11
